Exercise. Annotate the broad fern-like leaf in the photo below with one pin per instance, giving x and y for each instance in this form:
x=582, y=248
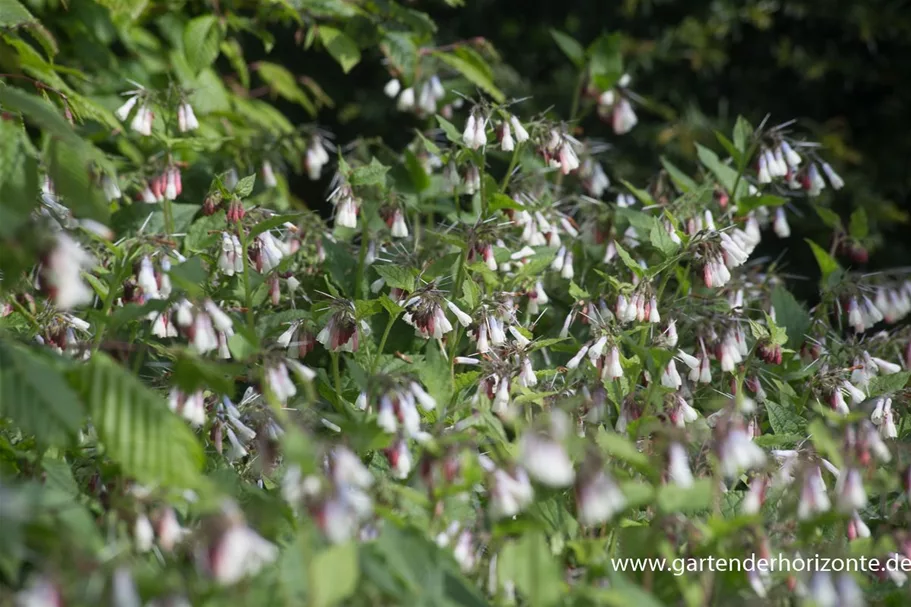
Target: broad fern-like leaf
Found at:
x=36, y=397
x=135, y=425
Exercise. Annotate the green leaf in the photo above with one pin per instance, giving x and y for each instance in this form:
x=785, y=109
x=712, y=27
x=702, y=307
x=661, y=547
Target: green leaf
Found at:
x=36, y=397
x=12, y=13
x=828, y=216
x=887, y=384
x=502, y=201
x=39, y=112
x=69, y=169
x=283, y=83
x=201, y=41
x=420, y=180
x=135, y=425
x=748, y=203
x=791, y=315
x=396, y=277
x=858, y=227
x=784, y=420
x=371, y=174
x=620, y=447
x=606, y=63
x=742, y=132
x=244, y=186
x=342, y=48
x=18, y=177
x=643, y=196
x=449, y=129
x=627, y=260
x=528, y=563
x=577, y=292
x=661, y=239
x=681, y=179
x=240, y=347
x=827, y=264
x=726, y=176
x=333, y=575
x=435, y=373
x=475, y=70
x=674, y=498
x=570, y=47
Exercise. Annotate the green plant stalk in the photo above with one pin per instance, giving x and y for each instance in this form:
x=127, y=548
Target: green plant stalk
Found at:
x=248, y=290
x=483, y=190
x=168, y=218
x=512, y=165
x=336, y=378
x=379, y=348
x=119, y=277
x=361, y=260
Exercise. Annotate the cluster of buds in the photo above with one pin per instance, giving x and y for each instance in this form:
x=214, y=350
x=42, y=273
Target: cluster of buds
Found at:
x=639, y=307
x=142, y=119
x=341, y=331
x=233, y=551
x=340, y=503
x=883, y=418
x=316, y=157
x=560, y=152
x=475, y=134
x=505, y=131
x=598, y=496
x=167, y=186
x=347, y=206
x=614, y=105
x=594, y=179
x=424, y=102
x=733, y=251
x=60, y=275
x=782, y=161
x=231, y=258
x=603, y=356
x=425, y=313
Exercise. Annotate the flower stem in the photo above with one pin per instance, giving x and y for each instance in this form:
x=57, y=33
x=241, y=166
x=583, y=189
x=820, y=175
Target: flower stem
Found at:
x=379, y=349
x=512, y=165
x=248, y=291
x=337, y=378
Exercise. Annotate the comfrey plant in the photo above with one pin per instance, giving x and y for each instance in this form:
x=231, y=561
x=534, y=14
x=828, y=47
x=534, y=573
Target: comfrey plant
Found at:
x=492, y=369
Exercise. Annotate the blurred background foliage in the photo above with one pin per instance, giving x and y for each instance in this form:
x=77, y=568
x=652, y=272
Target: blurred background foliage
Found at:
x=837, y=66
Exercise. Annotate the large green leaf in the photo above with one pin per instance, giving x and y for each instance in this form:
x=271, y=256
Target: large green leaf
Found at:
x=18, y=178
x=201, y=41
x=473, y=67
x=791, y=315
x=342, y=48
x=38, y=112
x=333, y=575
x=12, y=13
x=36, y=397
x=69, y=170
x=135, y=426
x=529, y=564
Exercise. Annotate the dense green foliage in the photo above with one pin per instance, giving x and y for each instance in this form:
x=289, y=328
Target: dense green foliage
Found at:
x=328, y=302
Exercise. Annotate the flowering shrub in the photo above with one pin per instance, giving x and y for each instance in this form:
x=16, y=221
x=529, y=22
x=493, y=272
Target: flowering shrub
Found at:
x=489, y=373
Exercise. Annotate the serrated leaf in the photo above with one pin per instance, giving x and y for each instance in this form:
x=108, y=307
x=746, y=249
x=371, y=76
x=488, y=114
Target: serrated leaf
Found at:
x=627, y=260
x=784, y=420
x=674, y=498
x=244, y=186
x=135, y=426
x=12, y=14
x=475, y=70
x=283, y=83
x=371, y=174
x=38, y=112
x=644, y=197
x=333, y=575
x=858, y=227
x=449, y=129
x=887, y=384
x=725, y=175
x=396, y=277
x=201, y=41
x=757, y=330
x=528, y=563
x=35, y=396
x=570, y=47
x=680, y=179
x=342, y=48
x=69, y=170
x=791, y=315
x=742, y=132
x=827, y=263
x=749, y=203
x=577, y=292
x=661, y=240
x=18, y=177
